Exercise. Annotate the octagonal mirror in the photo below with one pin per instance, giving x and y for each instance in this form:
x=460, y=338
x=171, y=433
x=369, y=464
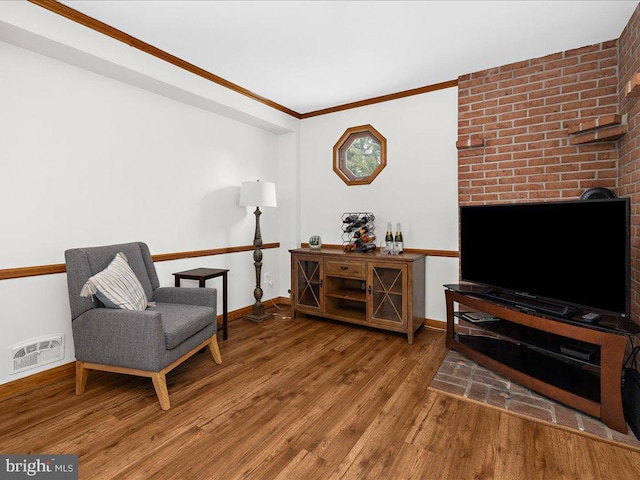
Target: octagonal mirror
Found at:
x=360, y=155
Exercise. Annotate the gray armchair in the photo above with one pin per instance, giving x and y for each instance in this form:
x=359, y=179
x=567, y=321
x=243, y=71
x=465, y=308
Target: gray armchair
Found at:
x=147, y=343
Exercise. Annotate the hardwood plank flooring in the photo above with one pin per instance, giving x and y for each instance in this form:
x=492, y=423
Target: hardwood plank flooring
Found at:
x=299, y=398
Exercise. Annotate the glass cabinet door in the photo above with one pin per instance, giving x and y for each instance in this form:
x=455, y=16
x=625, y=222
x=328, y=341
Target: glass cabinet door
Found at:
x=308, y=282
x=387, y=298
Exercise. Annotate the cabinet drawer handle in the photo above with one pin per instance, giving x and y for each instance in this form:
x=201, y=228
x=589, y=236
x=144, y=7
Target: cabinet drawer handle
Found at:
x=344, y=267
x=369, y=289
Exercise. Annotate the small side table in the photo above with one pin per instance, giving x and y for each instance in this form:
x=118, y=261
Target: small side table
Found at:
x=202, y=275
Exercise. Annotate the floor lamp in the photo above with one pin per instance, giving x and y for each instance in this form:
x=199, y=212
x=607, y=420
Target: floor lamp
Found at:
x=258, y=194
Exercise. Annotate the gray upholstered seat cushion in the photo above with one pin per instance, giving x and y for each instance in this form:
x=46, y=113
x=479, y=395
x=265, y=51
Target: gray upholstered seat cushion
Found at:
x=180, y=322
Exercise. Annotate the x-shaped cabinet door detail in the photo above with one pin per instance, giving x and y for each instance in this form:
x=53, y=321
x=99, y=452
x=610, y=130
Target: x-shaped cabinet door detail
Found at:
x=387, y=294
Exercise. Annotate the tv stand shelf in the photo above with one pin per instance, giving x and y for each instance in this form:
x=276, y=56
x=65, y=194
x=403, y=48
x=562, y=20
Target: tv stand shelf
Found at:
x=531, y=349
x=531, y=304
x=537, y=339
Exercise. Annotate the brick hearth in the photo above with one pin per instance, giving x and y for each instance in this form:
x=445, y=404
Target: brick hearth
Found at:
x=460, y=376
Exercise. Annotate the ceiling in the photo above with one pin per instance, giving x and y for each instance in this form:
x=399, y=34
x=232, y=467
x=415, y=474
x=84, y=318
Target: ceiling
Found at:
x=312, y=55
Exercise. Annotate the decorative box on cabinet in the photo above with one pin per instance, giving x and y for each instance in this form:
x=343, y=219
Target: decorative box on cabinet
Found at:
x=380, y=291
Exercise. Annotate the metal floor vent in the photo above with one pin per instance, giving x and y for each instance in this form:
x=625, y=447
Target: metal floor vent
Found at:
x=36, y=352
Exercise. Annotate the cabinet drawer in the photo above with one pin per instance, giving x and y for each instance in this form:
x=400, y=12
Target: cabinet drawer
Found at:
x=340, y=268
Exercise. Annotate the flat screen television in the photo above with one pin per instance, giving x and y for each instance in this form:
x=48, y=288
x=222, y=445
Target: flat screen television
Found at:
x=572, y=254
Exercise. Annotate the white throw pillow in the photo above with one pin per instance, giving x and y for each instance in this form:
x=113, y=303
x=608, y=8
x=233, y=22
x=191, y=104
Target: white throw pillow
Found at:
x=117, y=286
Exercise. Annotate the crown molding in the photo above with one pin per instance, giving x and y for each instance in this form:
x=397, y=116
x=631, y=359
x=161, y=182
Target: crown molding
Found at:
x=382, y=98
x=101, y=27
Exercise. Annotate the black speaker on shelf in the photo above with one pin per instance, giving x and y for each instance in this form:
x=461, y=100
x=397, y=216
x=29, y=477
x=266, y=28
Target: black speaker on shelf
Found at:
x=597, y=193
x=631, y=399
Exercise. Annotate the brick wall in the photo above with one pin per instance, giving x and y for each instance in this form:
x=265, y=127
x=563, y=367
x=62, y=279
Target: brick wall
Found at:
x=513, y=121
x=517, y=123
x=629, y=147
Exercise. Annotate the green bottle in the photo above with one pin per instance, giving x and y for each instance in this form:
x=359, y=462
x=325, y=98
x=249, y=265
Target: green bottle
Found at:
x=398, y=240
x=388, y=238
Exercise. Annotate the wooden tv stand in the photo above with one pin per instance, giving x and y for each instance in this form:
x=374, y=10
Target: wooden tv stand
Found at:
x=531, y=349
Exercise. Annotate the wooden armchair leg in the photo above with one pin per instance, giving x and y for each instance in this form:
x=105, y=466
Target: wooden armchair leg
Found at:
x=160, y=384
x=215, y=350
x=81, y=378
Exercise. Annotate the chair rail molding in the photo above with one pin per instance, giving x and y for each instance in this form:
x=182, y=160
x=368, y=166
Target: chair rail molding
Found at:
x=21, y=272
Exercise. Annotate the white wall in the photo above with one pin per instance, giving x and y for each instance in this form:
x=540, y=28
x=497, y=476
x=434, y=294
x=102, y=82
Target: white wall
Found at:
x=418, y=187
x=288, y=207
x=35, y=28
x=88, y=160
x=89, y=126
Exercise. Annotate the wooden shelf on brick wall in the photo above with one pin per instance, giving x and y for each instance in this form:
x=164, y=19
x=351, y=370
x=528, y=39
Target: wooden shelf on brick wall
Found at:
x=632, y=89
x=470, y=141
x=605, y=128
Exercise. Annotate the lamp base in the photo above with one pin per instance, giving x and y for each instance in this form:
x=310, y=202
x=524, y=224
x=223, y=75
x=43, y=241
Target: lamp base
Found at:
x=258, y=318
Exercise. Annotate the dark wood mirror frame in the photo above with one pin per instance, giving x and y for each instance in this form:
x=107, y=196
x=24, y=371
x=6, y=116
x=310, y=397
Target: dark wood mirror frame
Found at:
x=343, y=144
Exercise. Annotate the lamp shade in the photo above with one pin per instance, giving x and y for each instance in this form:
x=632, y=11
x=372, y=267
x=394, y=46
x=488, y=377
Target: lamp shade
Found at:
x=258, y=194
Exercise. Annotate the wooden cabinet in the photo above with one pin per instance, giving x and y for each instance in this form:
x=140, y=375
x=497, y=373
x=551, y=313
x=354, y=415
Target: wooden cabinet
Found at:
x=388, y=301
x=308, y=275
x=575, y=363
x=380, y=291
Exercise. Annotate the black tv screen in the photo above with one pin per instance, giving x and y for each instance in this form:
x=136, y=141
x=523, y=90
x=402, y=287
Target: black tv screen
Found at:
x=573, y=253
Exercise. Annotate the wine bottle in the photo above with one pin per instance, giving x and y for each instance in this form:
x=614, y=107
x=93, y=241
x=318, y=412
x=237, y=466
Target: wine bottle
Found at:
x=398, y=240
x=367, y=247
x=388, y=238
x=368, y=237
x=358, y=233
x=364, y=239
x=354, y=225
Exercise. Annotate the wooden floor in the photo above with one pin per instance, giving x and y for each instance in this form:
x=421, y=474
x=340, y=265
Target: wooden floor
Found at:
x=299, y=399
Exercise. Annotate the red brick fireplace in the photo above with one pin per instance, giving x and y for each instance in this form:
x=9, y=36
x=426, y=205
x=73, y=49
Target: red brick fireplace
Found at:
x=550, y=128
